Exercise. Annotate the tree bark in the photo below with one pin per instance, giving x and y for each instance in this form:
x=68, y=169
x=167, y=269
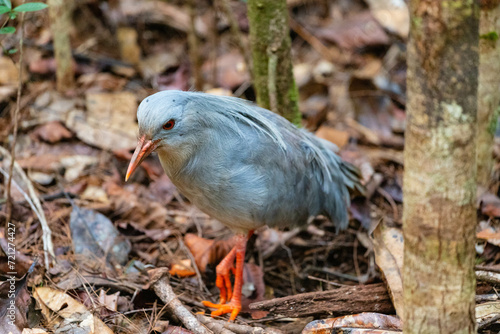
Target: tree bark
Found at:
x=489, y=88
x=341, y=301
x=439, y=218
x=272, y=63
x=60, y=23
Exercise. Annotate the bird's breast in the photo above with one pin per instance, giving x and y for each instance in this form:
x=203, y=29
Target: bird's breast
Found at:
x=229, y=193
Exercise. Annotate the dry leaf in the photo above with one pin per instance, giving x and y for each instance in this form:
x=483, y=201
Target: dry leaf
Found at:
x=33, y=331
x=95, y=237
x=253, y=289
x=487, y=311
x=388, y=244
x=67, y=308
x=491, y=235
x=232, y=71
x=393, y=15
x=157, y=63
x=183, y=269
x=8, y=72
x=129, y=49
x=374, y=322
x=109, y=122
x=52, y=132
x=355, y=32
x=489, y=203
x=339, y=138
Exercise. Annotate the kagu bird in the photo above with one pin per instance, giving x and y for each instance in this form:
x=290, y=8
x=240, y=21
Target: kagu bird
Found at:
x=245, y=166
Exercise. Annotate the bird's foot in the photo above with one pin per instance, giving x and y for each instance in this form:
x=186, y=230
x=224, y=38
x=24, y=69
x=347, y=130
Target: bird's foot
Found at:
x=232, y=307
x=223, y=280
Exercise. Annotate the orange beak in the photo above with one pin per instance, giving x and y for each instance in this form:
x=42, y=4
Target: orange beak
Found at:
x=143, y=149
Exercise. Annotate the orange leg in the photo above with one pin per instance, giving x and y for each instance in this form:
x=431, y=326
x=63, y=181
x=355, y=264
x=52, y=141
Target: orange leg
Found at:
x=224, y=284
x=223, y=280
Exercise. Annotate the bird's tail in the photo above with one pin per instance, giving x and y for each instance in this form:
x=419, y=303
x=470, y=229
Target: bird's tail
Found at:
x=352, y=178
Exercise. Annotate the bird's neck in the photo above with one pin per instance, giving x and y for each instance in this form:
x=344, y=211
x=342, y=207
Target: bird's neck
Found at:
x=173, y=161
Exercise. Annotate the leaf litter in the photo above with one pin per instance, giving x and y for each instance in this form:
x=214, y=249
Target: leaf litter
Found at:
x=73, y=151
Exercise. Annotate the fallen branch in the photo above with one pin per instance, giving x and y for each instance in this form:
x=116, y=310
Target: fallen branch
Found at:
x=162, y=288
x=341, y=301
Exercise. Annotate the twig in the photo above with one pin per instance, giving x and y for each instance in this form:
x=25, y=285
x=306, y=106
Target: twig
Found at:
x=329, y=54
x=487, y=268
x=194, y=52
x=16, y=113
x=34, y=202
x=487, y=322
x=325, y=281
x=213, y=325
x=164, y=291
x=391, y=202
x=213, y=40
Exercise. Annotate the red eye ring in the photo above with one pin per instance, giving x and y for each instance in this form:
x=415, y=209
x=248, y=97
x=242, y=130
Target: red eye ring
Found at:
x=169, y=125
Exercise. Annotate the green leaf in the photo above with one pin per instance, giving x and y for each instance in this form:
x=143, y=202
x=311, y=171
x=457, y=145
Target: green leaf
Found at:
x=491, y=36
x=6, y=3
x=12, y=15
x=12, y=51
x=4, y=9
x=30, y=7
x=7, y=30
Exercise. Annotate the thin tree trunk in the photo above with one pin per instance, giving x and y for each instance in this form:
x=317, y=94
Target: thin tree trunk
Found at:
x=194, y=52
x=489, y=88
x=60, y=23
x=439, y=217
x=272, y=63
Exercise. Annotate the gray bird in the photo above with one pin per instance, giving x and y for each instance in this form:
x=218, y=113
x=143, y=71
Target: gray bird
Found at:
x=245, y=166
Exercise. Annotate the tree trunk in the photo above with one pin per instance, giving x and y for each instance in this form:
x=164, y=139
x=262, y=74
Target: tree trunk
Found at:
x=439, y=218
x=60, y=23
x=489, y=88
x=194, y=52
x=272, y=63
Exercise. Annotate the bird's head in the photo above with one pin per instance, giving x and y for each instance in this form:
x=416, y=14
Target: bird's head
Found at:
x=163, y=123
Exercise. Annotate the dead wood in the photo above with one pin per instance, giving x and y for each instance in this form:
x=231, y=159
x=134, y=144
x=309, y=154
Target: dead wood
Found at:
x=341, y=301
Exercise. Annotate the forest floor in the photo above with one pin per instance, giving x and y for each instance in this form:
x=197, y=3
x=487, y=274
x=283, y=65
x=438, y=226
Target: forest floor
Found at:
x=108, y=236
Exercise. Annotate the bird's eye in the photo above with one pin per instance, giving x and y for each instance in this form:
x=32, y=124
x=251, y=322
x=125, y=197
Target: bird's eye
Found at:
x=169, y=125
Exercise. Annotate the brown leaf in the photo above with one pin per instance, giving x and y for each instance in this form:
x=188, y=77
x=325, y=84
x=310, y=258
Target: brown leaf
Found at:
x=13, y=311
x=490, y=204
x=231, y=70
x=183, y=269
x=162, y=189
x=253, y=289
x=109, y=122
x=55, y=301
x=9, y=73
x=357, y=31
x=388, y=244
x=339, y=138
x=491, y=235
x=176, y=330
x=203, y=250
x=375, y=321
